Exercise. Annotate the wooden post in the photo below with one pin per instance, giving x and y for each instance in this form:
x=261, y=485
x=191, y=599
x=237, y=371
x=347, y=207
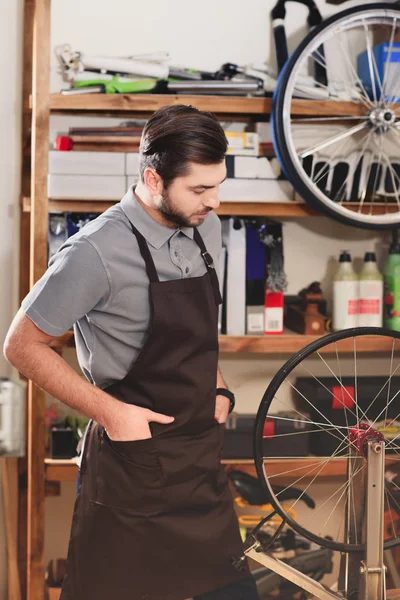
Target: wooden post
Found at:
x=38, y=264
x=9, y=477
x=24, y=247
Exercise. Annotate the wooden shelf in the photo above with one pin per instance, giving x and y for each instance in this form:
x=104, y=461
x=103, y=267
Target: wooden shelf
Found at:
x=145, y=104
x=245, y=209
x=229, y=106
x=251, y=209
x=67, y=470
x=288, y=343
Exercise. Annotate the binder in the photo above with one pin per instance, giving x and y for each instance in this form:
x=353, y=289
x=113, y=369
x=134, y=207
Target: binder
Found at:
x=236, y=278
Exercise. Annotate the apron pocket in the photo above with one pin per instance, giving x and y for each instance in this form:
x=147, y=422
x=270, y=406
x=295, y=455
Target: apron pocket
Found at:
x=128, y=475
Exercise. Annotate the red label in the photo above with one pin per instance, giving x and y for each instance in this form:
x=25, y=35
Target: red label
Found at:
x=352, y=307
x=370, y=307
x=269, y=428
x=343, y=397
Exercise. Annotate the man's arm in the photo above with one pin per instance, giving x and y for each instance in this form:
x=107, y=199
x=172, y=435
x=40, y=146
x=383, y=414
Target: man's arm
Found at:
x=222, y=403
x=28, y=349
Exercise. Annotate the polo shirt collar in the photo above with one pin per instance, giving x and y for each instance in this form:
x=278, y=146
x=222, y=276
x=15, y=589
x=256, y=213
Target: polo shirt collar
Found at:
x=154, y=232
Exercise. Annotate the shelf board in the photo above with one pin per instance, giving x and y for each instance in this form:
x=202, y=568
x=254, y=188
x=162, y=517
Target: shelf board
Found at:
x=245, y=209
x=288, y=343
x=145, y=104
x=67, y=470
x=251, y=209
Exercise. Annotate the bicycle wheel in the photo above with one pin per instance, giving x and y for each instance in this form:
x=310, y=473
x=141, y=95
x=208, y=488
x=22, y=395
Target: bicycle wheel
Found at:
x=324, y=407
x=337, y=137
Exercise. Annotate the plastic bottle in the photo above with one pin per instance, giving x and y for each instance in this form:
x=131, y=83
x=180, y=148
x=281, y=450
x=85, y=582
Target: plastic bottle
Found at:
x=345, y=294
x=391, y=273
x=371, y=293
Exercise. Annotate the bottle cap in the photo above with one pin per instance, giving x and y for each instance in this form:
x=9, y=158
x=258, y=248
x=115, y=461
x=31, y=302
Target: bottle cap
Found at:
x=345, y=256
x=370, y=257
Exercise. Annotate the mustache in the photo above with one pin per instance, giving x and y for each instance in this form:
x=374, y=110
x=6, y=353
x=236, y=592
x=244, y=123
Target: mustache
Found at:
x=203, y=212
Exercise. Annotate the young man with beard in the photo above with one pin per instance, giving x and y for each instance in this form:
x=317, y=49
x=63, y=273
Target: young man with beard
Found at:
x=154, y=516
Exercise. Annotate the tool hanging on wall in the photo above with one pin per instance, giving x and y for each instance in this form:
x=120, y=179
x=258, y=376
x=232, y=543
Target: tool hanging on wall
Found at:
x=270, y=233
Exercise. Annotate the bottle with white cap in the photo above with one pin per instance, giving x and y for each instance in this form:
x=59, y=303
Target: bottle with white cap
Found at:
x=371, y=293
x=345, y=294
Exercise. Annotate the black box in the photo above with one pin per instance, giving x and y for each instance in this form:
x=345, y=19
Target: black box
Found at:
x=239, y=436
x=328, y=396
x=62, y=442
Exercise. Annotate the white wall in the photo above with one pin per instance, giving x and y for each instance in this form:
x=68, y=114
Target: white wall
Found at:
x=10, y=148
x=206, y=37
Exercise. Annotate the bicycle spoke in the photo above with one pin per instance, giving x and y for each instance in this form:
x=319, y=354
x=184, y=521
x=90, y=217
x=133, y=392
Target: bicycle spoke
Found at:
x=370, y=61
x=387, y=494
x=341, y=385
x=387, y=62
x=324, y=463
x=364, y=97
x=333, y=140
x=326, y=460
x=315, y=408
x=339, y=499
x=332, y=394
x=322, y=426
x=390, y=380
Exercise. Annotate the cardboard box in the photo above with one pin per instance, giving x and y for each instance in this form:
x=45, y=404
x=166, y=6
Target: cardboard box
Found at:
x=99, y=187
x=274, y=302
x=243, y=143
x=86, y=163
x=252, y=167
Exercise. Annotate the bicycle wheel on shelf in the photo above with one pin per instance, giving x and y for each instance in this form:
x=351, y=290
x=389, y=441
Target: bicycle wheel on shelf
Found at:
x=324, y=393
x=338, y=136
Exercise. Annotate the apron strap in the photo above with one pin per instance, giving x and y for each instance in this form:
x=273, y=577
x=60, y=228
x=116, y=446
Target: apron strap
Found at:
x=146, y=255
x=209, y=264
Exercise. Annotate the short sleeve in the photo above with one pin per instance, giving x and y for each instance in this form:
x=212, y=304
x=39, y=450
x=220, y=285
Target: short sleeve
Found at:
x=75, y=283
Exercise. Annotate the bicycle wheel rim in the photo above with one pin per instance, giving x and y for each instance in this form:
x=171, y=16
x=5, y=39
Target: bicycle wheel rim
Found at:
x=276, y=383
x=376, y=173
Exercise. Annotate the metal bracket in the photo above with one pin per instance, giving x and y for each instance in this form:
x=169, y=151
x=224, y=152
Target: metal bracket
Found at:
x=303, y=581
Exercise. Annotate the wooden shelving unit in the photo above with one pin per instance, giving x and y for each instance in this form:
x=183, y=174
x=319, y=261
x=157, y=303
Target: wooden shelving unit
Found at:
x=145, y=104
x=38, y=105
x=67, y=470
x=254, y=209
x=246, y=209
x=288, y=343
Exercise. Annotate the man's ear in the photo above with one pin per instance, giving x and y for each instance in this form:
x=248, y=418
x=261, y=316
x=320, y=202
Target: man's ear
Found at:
x=153, y=182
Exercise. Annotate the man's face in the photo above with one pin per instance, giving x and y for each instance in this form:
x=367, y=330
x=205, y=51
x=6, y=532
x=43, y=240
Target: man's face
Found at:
x=189, y=199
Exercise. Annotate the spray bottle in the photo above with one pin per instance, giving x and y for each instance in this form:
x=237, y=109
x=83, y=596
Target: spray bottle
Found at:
x=391, y=273
x=371, y=293
x=345, y=294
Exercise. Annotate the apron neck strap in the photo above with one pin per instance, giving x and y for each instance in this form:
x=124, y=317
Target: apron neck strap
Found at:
x=209, y=264
x=146, y=255
x=151, y=268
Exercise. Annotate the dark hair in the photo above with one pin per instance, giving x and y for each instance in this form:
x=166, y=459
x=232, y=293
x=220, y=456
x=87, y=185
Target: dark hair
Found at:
x=177, y=135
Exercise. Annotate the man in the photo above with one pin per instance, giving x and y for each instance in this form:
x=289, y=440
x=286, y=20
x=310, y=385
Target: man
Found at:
x=154, y=517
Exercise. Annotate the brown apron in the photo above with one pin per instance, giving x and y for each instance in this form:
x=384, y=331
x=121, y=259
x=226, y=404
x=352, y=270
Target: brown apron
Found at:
x=154, y=518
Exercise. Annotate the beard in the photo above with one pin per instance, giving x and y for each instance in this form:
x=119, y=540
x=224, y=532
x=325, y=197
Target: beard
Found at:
x=171, y=213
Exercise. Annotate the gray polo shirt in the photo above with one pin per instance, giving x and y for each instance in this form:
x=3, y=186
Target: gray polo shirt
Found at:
x=98, y=284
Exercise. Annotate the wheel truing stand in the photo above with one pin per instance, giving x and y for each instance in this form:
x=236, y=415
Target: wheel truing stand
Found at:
x=362, y=575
